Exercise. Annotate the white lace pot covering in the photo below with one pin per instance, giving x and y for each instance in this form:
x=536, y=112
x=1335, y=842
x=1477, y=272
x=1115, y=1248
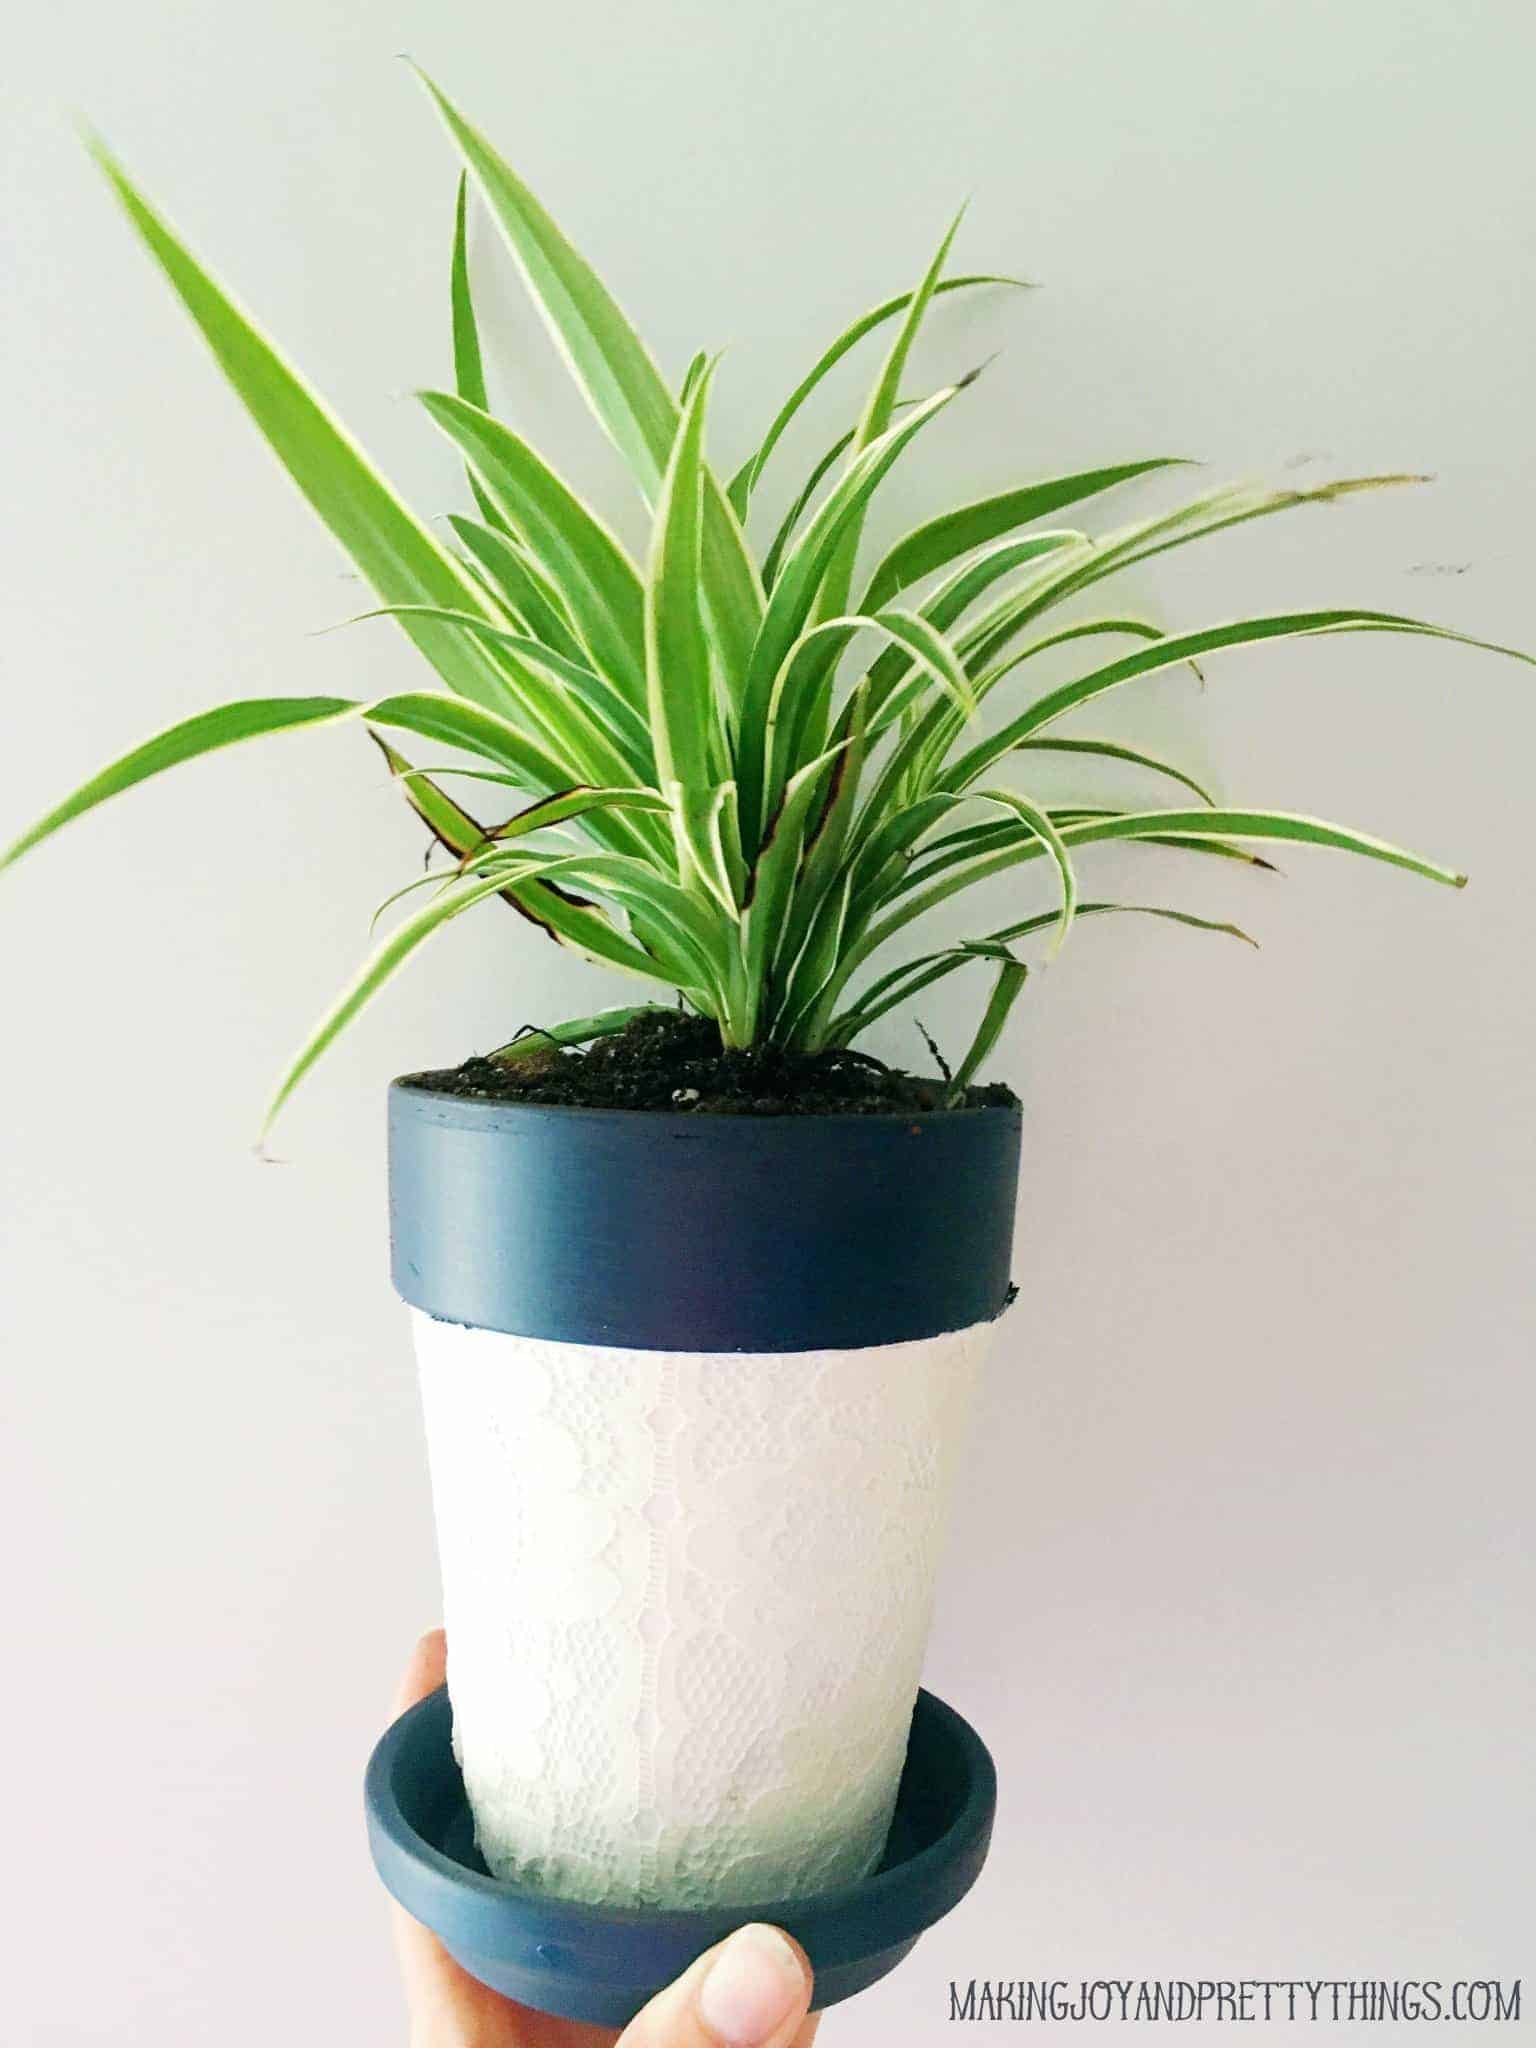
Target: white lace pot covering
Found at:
x=686, y=1597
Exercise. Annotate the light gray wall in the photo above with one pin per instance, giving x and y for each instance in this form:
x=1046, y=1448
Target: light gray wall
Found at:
x=1241, y=1587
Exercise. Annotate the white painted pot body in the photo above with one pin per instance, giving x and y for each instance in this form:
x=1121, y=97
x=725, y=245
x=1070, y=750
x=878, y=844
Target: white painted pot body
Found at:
x=687, y=1596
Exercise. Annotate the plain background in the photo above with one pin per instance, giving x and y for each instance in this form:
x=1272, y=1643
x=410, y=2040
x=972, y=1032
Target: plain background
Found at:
x=1241, y=1587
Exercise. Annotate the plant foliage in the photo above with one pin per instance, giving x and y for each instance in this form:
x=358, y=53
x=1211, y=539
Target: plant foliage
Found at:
x=741, y=780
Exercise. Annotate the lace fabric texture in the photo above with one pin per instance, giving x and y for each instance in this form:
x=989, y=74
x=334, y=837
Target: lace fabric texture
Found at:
x=687, y=1596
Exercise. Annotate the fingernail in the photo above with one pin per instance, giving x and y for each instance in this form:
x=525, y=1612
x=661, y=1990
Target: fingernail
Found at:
x=752, y=1987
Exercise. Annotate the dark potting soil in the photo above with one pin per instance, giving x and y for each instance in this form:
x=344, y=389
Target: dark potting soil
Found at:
x=668, y=1060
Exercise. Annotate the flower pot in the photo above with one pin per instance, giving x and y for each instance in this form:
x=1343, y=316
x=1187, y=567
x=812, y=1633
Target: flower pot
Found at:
x=694, y=1390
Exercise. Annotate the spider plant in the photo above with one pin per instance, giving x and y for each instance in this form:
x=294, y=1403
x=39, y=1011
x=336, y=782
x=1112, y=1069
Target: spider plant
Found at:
x=739, y=776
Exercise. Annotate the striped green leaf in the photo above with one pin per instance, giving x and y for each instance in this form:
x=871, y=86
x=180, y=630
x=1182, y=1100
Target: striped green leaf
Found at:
x=1039, y=822
x=468, y=362
x=205, y=733
x=794, y=594
x=1181, y=647
x=796, y=721
x=938, y=542
x=1006, y=990
x=599, y=585
x=600, y=721
x=772, y=880
x=1114, y=750
x=581, y=926
x=744, y=482
x=879, y=409
x=608, y=360
x=520, y=584
x=615, y=373
x=965, y=869
x=413, y=932
x=679, y=682
x=898, y=985
x=390, y=546
x=536, y=1040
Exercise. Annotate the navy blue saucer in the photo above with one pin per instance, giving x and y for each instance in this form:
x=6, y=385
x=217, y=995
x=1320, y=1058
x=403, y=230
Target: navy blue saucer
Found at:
x=601, y=1963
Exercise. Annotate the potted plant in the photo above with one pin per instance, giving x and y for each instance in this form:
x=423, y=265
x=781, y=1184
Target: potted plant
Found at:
x=699, y=1289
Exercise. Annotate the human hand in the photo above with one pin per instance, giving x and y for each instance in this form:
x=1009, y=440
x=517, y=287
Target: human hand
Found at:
x=752, y=1990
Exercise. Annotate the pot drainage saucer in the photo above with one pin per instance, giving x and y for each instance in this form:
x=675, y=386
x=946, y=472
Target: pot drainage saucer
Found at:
x=601, y=1963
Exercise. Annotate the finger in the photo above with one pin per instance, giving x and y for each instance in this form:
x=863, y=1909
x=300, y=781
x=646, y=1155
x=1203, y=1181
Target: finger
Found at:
x=429, y=1972
x=425, y=1672
x=751, y=1991
x=445, y=2002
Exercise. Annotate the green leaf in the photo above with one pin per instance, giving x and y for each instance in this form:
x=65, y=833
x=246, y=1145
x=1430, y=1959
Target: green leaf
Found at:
x=580, y=926
x=468, y=364
x=987, y=679
x=745, y=480
x=600, y=586
x=205, y=733
x=1181, y=647
x=881, y=402
x=938, y=542
x=691, y=376
x=586, y=929
x=679, y=684
x=615, y=373
x=974, y=578
x=389, y=957
x=797, y=705
x=803, y=497
x=566, y=804
x=441, y=768
x=521, y=584
x=1009, y=933
x=1035, y=820
x=933, y=655
x=602, y=725
x=939, y=854
x=607, y=358
x=450, y=825
x=1235, y=505
x=431, y=715
x=437, y=717
x=773, y=872
x=795, y=591
x=822, y=861
x=873, y=422
x=1009, y=986
x=393, y=550
x=886, y=849
x=1263, y=827
x=943, y=610
x=535, y=1039
x=913, y=763
x=1197, y=519
x=817, y=961
x=706, y=828
x=1113, y=750
x=698, y=954
x=899, y=984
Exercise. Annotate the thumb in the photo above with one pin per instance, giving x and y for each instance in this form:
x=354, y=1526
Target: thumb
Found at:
x=752, y=1990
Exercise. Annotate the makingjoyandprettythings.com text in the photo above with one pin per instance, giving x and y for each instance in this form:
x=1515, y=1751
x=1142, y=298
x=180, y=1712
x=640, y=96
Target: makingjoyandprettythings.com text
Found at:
x=1324, y=2000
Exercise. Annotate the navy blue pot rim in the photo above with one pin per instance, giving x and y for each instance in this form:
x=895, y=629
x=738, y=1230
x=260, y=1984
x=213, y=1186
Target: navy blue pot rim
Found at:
x=658, y=1230
x=600, y=1963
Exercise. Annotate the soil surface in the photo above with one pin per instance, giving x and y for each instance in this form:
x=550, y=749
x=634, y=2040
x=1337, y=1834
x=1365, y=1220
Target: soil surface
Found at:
x=667, y=1060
